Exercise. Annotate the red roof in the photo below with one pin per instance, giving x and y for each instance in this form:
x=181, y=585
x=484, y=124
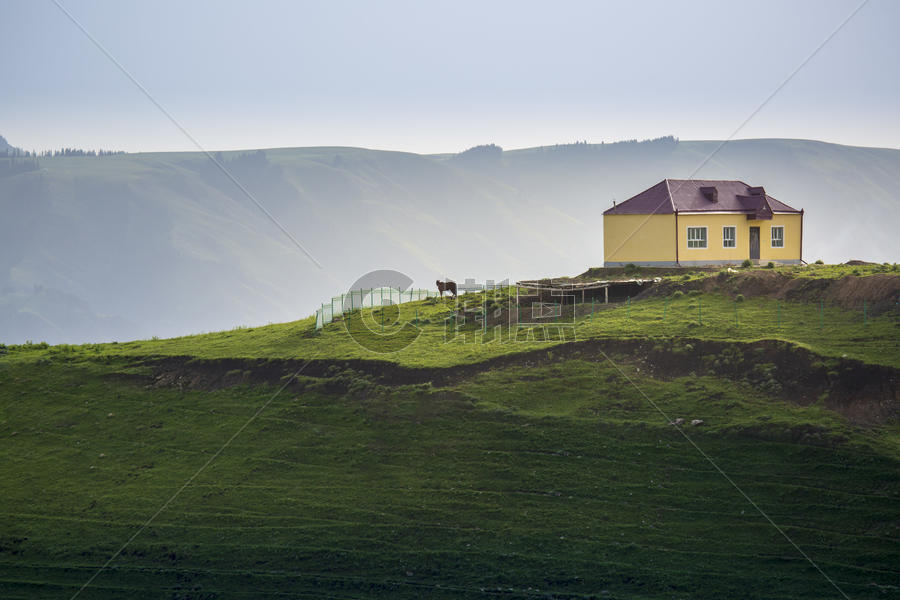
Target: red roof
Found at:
x=686, y=195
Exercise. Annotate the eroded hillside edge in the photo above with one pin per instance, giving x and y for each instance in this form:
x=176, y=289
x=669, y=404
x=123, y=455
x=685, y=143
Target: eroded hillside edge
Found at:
x=865, y=394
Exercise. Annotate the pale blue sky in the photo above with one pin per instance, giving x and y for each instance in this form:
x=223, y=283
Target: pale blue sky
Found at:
x=443, y=76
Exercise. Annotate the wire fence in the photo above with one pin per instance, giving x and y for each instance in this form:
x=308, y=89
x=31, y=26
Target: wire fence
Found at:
x=367, y=298
x=694, y=309
x=521, y=307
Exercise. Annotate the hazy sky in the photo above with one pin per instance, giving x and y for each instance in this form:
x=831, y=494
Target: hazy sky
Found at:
x=443, y=76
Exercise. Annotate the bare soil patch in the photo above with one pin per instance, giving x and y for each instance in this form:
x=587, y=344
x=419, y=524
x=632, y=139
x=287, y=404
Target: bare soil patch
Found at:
x=881, y=291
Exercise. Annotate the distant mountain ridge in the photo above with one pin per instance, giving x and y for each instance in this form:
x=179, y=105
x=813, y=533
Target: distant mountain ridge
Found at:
x=165, y=244
x=5, y=146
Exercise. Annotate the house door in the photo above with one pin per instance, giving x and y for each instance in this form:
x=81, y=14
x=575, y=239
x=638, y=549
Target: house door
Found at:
x=754, y=243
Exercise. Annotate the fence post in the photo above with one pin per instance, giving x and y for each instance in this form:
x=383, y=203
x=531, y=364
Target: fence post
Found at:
x=332, y=312
x=382, y=314
x=417, y=317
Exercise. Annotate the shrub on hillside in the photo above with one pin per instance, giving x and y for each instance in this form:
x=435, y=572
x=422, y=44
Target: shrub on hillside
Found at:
x=746, y=264
x=632, y=269
x=739, y=298
x=770, y=265
x=677, y=294
x=820, y=262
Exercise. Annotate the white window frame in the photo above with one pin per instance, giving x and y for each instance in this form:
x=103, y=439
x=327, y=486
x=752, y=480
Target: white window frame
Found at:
x=705, y=240
x=772, y=236
x=734, y=239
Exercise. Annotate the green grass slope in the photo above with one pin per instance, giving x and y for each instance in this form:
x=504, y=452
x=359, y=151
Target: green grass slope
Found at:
x=462, y=469
x=438, y=340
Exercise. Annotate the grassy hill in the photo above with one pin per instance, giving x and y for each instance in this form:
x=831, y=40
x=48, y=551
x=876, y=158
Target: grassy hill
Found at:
x=164, y=244
x=303, y=465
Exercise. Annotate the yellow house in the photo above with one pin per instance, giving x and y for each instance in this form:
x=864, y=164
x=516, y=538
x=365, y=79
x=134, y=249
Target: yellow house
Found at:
x=687, y=222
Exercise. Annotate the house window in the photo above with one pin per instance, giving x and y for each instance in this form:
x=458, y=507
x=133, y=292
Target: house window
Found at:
x=729, y=237
x=696, y=237
x=778, y=236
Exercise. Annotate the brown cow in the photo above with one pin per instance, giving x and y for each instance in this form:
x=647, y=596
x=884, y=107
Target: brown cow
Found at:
x=446, y=286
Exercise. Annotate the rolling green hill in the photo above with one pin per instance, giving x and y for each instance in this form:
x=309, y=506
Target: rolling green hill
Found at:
x=129, y=246
x=279, y=461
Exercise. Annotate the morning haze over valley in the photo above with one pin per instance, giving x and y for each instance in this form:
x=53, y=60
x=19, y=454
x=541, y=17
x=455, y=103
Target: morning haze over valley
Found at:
x=190, y=253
